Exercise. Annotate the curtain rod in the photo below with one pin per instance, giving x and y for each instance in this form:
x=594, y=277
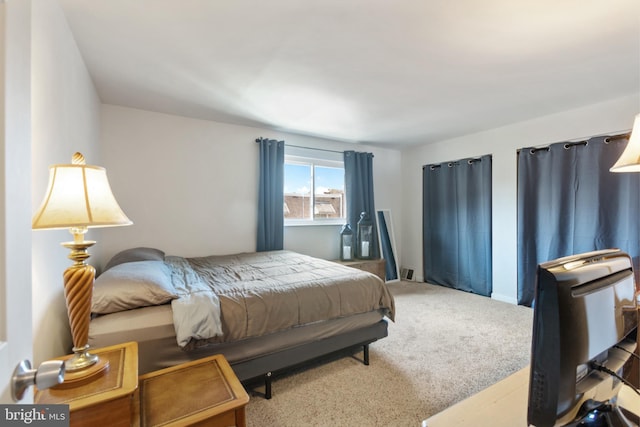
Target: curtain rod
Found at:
x=580, y=141
x=310, y=148
x=316, y=149
x=321, y=149
x=452, y=163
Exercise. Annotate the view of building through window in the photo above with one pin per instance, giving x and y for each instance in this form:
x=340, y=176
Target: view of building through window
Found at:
x=313, y=192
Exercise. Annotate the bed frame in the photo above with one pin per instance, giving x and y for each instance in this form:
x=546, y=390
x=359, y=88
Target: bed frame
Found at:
x=266, y=366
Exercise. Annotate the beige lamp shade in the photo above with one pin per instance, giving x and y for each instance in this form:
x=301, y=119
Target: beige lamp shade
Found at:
x=78, y=195
x=629, y=160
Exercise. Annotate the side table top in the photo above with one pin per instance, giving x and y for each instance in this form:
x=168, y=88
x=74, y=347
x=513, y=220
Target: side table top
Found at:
x=119, y=379
x=190, y=392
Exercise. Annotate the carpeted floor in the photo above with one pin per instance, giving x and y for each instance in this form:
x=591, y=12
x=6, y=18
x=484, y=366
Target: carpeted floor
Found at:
x=444, y=346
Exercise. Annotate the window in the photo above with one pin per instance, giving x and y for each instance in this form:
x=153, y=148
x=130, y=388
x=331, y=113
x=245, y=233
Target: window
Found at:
x=313, y=191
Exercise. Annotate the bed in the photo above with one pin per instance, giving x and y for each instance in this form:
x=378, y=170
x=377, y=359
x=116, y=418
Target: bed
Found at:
x=266, y=312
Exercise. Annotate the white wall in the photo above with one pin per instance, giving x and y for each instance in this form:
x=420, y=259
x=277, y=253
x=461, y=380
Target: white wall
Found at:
x=65, y=119
x=608, y=117
x=190, y=186
x=15, y=184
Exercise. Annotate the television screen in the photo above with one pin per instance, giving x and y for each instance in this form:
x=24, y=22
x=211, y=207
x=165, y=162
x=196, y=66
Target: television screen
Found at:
x=584, y=331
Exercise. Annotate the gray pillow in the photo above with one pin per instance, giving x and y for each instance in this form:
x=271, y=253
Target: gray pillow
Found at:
x=132, y=285
x=135, y=254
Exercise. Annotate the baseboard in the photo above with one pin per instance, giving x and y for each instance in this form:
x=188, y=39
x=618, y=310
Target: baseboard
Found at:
x=504, y=298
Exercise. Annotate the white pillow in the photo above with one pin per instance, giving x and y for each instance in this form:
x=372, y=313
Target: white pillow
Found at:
x=132, y=285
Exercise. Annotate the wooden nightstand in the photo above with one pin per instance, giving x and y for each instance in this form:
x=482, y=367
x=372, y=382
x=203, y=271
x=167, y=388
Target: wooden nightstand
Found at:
x=108, y=398
x=375, y=266
x=198, y=393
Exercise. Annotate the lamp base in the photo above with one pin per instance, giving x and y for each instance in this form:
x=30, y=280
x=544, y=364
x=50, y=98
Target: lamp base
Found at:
x=81, y=359
x=82, y=376
x=78, y=289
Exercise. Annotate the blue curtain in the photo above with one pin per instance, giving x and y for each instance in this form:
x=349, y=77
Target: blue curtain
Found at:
x=457, y=224
x=569, y=202
x=271, y=195
x=358, y=181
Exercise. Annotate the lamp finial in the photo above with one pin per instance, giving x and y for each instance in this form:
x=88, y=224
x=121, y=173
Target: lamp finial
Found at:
x=78, y=159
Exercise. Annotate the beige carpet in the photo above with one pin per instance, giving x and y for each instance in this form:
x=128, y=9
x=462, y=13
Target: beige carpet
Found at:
x=444, y=346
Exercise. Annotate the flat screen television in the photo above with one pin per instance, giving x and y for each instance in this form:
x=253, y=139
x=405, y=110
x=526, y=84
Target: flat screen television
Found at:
x=584, y=321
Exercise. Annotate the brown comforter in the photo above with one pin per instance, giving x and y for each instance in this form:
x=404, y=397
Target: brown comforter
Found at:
x=233, y=297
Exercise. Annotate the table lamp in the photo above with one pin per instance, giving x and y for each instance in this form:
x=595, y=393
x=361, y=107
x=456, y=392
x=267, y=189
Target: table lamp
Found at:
x=629, y=160
x=79, y=197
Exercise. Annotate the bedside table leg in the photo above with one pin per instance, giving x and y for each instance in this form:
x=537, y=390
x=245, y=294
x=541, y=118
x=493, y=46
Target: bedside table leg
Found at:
x=267, y=385
x=365, y=350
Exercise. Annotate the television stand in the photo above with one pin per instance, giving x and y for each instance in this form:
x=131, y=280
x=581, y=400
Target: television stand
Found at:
x=607, y=415
x=504, y=404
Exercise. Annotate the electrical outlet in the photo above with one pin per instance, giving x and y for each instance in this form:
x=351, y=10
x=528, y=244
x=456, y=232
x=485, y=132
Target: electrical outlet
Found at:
x=406, y=274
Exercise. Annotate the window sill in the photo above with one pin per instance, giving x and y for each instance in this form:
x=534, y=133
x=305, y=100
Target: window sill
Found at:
x=303, y=223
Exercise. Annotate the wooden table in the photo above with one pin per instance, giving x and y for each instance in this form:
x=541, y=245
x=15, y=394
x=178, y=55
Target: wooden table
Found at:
x=503, y=404
x=202, y=392
x=108, y=397
x=375, y=266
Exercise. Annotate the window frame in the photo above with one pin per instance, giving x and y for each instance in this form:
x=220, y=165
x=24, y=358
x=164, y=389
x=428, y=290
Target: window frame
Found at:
x=313, y=161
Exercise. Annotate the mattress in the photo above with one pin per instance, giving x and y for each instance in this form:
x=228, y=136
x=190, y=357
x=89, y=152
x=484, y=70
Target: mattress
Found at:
x=152, y=328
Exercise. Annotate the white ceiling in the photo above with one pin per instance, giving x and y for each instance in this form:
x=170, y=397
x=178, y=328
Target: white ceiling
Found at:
x=376, y=71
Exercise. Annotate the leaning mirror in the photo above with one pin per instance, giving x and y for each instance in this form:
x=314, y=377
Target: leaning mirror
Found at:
x=388, y=244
